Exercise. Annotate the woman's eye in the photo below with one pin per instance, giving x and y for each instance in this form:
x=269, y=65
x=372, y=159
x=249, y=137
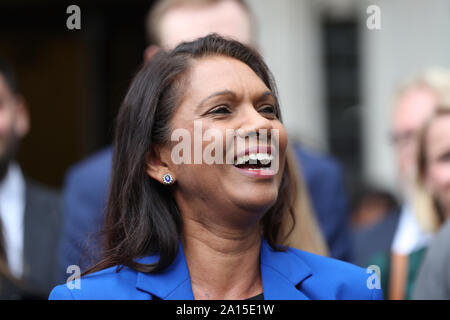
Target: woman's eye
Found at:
x=445, y=157
x=268, y=109
x=220, y=110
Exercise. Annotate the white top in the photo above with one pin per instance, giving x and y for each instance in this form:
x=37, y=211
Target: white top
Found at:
x=409, y=236
x=12, y=211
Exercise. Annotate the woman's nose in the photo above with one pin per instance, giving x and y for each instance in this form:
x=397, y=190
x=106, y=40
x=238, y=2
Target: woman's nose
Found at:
x=253, y=122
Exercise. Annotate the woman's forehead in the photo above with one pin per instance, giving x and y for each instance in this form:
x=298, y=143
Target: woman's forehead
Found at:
x=217, y=73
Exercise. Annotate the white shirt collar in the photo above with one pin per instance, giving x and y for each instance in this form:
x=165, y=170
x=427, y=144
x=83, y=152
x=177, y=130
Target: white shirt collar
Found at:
x=409, y=236
x=12, y=211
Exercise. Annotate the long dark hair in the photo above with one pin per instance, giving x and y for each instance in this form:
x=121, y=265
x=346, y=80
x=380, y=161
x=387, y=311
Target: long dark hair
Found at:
x=142, y=217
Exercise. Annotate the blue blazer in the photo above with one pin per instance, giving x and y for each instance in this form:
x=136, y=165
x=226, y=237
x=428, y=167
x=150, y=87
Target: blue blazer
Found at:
x=289, y=275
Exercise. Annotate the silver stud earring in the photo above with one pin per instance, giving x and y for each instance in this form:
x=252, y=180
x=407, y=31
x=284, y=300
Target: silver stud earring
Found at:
x=168, y=179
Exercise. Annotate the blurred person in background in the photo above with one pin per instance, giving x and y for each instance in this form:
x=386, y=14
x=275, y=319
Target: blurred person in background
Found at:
x=86, y=184
x=432, y=204
x=374, y=217
x=29, y=213
x=10, y=287
x=324, y=179
x=414, y=103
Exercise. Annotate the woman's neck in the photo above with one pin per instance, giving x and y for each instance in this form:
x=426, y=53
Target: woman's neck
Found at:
x=223, y=264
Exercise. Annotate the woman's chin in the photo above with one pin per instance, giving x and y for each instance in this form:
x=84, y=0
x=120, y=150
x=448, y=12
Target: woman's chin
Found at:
x=256, y=201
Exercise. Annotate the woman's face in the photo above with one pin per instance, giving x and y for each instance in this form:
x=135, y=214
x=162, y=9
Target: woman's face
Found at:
x=438, y=160
x=225, y=95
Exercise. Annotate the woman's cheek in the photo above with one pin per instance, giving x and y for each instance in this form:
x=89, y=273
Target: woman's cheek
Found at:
x=283, y=140
x=436, y=178
x=445, y=176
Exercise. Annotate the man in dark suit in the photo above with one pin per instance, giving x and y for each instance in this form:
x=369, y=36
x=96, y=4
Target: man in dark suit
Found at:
x=326, y=188
x=86, y=183
x=84, y=201
x=30, y=213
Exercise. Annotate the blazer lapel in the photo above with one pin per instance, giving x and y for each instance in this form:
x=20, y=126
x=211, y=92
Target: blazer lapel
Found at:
x=282, y=273
x=174, y=283
x=41, y=233
x=31, y=220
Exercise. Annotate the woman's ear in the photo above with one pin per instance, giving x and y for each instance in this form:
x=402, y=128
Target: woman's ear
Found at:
x=156, y=167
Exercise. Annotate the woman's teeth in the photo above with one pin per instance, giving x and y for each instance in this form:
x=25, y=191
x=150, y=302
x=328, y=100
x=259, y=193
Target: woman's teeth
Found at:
x=254, y=158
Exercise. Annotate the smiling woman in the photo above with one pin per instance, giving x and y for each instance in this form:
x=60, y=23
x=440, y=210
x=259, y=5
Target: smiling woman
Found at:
x=432, y=188
x=216, y=230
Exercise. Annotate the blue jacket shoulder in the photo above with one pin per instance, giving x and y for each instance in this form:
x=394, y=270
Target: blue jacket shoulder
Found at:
x=107, y=284
x=339, y=279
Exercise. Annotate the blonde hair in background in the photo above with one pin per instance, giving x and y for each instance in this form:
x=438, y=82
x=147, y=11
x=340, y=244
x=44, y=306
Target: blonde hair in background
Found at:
x=436, y=79
x=306, y=234
x=425, y=209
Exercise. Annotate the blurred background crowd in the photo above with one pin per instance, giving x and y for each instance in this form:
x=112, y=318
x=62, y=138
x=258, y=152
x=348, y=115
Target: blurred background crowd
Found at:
x=367, y=110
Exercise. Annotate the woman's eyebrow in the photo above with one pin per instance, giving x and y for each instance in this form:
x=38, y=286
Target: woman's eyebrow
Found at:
x=218, y=93
x=265, y=94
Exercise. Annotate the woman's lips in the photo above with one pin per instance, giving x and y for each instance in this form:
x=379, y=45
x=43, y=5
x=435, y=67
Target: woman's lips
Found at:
x=255, y=161
x=266, y=173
